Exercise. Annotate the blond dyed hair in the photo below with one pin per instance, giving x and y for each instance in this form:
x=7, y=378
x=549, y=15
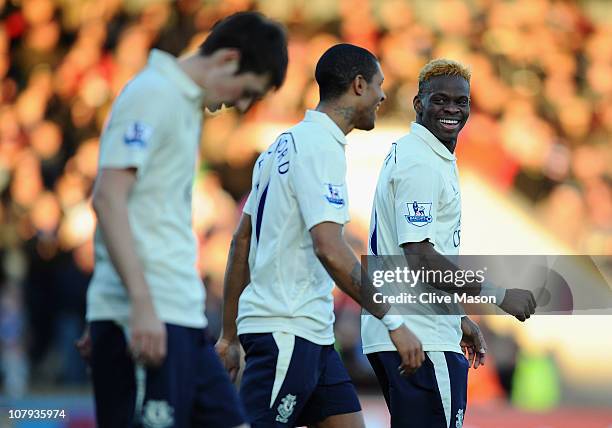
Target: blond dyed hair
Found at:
x=442, y=67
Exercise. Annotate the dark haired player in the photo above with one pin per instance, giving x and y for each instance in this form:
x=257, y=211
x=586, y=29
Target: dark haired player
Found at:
x=287, y=249
x=146, y=296
x=417, y=213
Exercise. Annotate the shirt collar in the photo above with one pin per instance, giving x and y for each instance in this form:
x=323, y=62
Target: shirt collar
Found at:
x=431, y=140
x=168, y=65
x=325, y=121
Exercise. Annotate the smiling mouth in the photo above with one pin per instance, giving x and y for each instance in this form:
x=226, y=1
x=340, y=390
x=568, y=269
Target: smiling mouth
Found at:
x=450, y=124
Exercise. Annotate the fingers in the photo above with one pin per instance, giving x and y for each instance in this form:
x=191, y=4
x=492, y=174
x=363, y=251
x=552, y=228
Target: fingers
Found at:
x=230, y=358
x=149, y=348
x=233, y=374
x=481, y=345
x=471, y=356
x=531, y=303
x=476, y=358
x=480, y=360
x=418, y=356
x=137, y=348
x=412, y=361
x=480, y=350
x=220, y=348
x=83, y=345
x=157, y=349
x=479, y=342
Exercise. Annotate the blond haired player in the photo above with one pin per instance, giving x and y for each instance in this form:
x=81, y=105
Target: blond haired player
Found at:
x=417, y=213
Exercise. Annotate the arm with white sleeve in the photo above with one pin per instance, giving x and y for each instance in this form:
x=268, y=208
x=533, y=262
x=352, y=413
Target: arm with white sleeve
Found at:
x=419, y=182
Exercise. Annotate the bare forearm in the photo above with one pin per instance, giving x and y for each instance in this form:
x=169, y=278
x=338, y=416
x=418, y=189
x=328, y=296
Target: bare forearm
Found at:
x=346, y=271
x=423, y=256
x=237, y=276
x=114, y=224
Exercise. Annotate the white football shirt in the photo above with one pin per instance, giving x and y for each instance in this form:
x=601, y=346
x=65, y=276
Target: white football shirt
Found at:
x=298, y=183
x=417, y=198
x=155, y=127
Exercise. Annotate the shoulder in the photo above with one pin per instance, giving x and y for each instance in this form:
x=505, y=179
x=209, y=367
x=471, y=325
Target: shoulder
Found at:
x=312, y=140
x=148, y=88
x=412, y=149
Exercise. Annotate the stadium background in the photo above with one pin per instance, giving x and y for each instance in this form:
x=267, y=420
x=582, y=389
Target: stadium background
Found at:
x=535, y=161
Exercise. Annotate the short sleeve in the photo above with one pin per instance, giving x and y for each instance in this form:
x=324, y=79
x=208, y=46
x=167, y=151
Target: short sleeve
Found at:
x=319, y=183
x=135, y=126
x=416, y=196
x=249, y=204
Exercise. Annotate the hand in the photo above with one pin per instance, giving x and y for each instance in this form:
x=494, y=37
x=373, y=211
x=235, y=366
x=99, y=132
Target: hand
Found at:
x=410, y=349
x=519, y=303
x=147, y=335
x=473, y=343
x=229, y=353
x=83, y=344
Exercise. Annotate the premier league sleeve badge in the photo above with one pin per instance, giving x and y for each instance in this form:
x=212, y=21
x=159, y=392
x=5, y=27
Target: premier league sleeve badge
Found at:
x=419, y=213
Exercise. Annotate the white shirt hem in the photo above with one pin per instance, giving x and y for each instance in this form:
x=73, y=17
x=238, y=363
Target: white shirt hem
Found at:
x=284, y=327
x=180, y=321
x=427, y=347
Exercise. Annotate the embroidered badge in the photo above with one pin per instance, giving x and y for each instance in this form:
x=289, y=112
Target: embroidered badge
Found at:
x=333, y=194
x=138, y=134
x=459, y=422
x=419, y=213
x=285, y=408
x=157, y=414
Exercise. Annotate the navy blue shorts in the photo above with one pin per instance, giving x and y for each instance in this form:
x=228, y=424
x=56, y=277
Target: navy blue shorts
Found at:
x=435, y=396
x=190, y=389
x=290, y=381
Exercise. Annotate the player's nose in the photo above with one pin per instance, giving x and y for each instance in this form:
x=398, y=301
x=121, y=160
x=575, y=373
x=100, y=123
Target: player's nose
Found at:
x=452, y=108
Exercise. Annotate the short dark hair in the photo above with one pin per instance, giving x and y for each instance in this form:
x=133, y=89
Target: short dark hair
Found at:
x=262, y=44
x=339, y=66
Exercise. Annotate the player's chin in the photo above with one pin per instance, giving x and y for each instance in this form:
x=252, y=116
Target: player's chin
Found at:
x=451, y=133
x=367, y=123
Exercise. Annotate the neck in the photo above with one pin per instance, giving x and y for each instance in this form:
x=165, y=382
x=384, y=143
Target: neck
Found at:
x=341, y=115
x=196, y=66
x=450, y=145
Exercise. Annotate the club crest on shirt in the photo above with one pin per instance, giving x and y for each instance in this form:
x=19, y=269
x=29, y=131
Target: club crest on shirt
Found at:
x=285, y=408
x=333, y=194
x=419, y=213
x=157, y=414
x=137, y=134
x=459, y=419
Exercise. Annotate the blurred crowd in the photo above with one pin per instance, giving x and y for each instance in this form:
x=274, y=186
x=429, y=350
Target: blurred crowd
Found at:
x=540, y=127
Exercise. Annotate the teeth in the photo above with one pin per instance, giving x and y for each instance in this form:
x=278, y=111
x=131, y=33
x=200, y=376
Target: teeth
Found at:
x=449, y=121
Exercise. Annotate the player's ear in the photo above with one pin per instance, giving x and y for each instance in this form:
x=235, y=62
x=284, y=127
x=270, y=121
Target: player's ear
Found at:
x=417, y=104
x=227, y=58
x=359, y=84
